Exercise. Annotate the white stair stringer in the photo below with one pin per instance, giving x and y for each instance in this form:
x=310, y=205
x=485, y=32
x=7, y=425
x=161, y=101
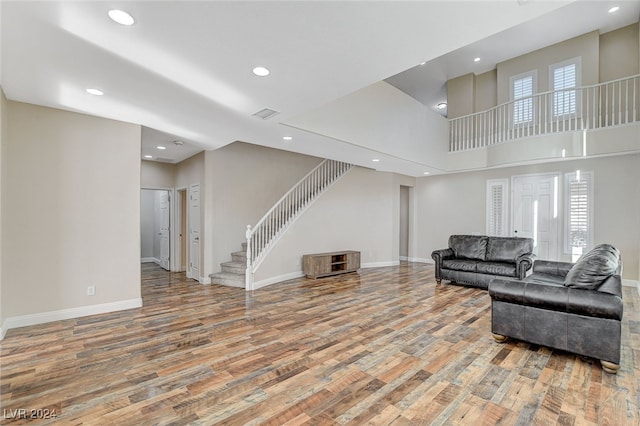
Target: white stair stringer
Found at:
x=268, y=231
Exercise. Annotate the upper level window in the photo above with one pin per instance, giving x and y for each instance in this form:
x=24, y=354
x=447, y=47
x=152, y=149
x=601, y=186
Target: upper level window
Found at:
x=523, y=87
x=564, y=77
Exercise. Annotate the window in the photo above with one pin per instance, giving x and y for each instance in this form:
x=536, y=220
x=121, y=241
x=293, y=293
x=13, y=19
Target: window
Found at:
x=565, y=76
x=497, y=204
x=523, y=87
x=579, y=212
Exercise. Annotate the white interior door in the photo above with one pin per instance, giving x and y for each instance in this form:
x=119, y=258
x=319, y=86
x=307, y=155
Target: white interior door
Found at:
x=534, y=212
x=194, y=232
x=181, y=212
x=164, y=235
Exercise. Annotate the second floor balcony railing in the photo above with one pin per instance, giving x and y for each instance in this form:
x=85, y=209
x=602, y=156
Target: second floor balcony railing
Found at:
x=614, y=103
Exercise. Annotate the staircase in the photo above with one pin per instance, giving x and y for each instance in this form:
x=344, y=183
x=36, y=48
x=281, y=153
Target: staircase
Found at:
x=232, y=273
x=266, y=233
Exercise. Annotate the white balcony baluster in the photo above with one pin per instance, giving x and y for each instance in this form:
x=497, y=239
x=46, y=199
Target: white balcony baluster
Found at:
x=614, y=103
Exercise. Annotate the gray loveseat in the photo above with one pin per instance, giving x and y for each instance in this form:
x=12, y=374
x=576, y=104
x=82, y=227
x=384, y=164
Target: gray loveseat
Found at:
x=477, y=259
x=572, y=307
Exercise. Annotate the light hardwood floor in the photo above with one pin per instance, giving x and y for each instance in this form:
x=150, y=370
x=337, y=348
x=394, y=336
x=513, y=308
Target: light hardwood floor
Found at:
x=385, y=346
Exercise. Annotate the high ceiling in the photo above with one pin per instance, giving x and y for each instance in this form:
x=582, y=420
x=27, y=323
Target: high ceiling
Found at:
x=184, y=69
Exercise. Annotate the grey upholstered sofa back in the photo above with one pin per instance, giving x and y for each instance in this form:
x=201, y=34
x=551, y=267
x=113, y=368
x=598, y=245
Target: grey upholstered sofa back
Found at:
x=594, y=267
x=469, y=246
x=508, y=249
x=492, y=249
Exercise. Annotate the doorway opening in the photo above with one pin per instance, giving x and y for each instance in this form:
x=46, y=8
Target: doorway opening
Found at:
x=155, y=216
x=405, y=223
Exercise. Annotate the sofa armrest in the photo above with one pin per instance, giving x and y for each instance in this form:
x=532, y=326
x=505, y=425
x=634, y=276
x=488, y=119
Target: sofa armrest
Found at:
x=559, y=269
x=442, y=254
x=612, y=285
x=590, y=303
x=524, y=263
x=438, y=256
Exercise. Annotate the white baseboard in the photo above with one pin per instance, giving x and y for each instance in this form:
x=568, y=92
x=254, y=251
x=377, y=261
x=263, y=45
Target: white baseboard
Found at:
x=631, y=283
x=64, y=314
x=204, y=280
x=3, y=331
x=420, y=260
x=277, y=279
x=149, y=260
x=380, y=264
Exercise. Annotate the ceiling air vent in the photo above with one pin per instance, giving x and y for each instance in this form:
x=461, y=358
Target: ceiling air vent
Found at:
x=164, y=160
x=266, y=113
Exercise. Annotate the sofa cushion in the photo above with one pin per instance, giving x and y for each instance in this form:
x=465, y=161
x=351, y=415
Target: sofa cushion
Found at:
x=593, y=268
x=508, y=249
x=460, y=264
x=497, y=268
x=469, y=246
x=542, y=278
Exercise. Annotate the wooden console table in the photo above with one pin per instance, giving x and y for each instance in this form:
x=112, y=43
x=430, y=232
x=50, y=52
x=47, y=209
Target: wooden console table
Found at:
x=325, y=264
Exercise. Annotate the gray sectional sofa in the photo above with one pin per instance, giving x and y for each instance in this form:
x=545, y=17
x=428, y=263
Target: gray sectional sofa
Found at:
x=572, y=307
x=477, y=259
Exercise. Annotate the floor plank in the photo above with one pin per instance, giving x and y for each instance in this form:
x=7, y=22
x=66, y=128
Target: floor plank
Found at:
x=382, y=346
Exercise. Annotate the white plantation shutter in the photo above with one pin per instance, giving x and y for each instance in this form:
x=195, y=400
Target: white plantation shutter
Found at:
x=578, y=196
x=522, y=90
x=565, y=75
x=497, y=205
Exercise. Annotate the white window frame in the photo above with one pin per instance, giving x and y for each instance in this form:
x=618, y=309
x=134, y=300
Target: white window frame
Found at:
x=502, y=185
x=578, y=98
x=534, y=89
x=588, y=178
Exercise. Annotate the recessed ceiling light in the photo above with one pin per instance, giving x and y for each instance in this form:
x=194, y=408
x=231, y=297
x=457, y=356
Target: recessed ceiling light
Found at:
x=95, y=92
x=425, y=173
x=376, y=160
x=161, y=147
x=121, y=17
x=422, y=63
x=261, y=71
x=614, y=9
x=476, y=60
x=148, y=156
x=442, y=105
x=287, y=138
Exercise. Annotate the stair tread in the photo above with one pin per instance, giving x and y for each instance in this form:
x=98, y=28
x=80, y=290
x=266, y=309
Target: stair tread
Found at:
x=226, y=275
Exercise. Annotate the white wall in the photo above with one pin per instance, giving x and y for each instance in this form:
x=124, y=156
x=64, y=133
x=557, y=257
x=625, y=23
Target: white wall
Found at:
x=619, y=53
x=359, y=212
x=455, y=204
x=154, y=174
x=382, y=118
x=72, y=213
x=585, y=46
x=245, y=181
